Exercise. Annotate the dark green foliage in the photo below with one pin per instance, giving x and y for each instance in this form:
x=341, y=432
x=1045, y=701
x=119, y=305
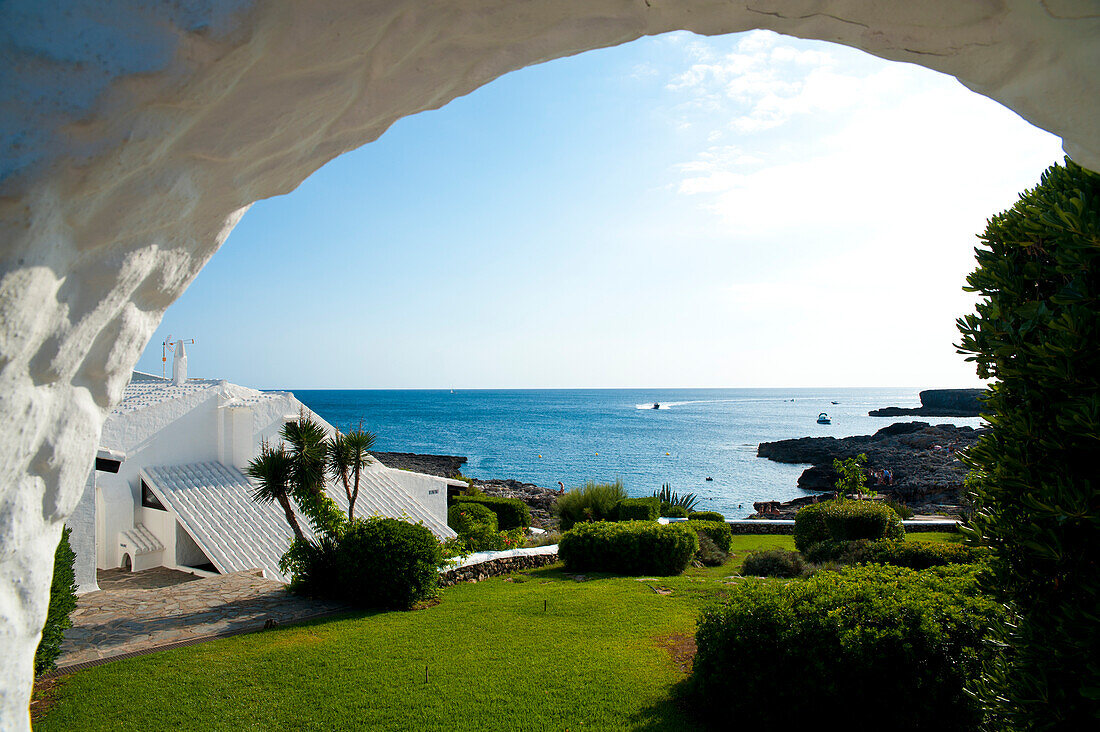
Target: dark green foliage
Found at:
x=1036, y=333
x=718, y=531
x=312, y=566
x=710, y=554
x=386, y=563
x=705, y=516
x=909, y=553
x=899, y=508
x=639, y=509
x=864, y=648
x=590, y=502
x=673, y=511
x=850, y=475
x=308, y=450
x=628, y=547
x=62, y=603
x=669, y=497
x=512, y=513
x=844, y=520
x=475, y=525
x=774, y=563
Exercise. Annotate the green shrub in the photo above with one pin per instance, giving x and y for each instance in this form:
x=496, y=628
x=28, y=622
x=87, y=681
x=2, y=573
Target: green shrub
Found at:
x=710, y=554
x=628, y=547
x=844, y=520
x=62, y=603
x=899, y=508
x=706, y=516
x=590, y=502
x=639, y=509
x=674, y=511
x=909, y=553
x=718, y=531
x=383, y=562
x=774, y=563
x=862, y=648
x=669, y=497
x=1036, y=334
x=313, y=566
x=474, y=523
x=512, y=513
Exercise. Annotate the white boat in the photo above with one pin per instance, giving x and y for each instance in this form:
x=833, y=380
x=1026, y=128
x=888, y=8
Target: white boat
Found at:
x=824, y=419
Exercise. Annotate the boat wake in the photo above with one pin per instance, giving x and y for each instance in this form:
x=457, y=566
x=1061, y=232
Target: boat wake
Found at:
x=670, y=405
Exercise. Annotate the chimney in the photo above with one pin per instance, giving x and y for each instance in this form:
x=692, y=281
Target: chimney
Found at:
x=179, y=365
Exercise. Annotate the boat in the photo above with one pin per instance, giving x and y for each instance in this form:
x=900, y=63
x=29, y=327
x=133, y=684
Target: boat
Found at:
x=656, y=405
x=824, y=419
x=835, y=402
x=709, y=478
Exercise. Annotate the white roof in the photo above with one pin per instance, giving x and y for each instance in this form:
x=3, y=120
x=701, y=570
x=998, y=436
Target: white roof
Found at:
x=214, y=504
x=139, y=540
x=146, y=391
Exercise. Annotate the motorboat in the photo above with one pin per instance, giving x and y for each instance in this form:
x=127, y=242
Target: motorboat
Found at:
x=656, y=405
x=824, y=419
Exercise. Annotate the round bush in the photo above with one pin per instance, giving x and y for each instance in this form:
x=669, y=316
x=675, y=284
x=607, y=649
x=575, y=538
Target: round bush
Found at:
x=845, y=520
x=774, y=563
x=705, y=516
x=383, y=562
x=864, y=648
x=674, y=512
x=718, y=531
x=628, y=547
x=475, y=524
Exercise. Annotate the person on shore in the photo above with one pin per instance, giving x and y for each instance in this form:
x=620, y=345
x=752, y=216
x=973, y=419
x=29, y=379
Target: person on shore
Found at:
x=889, y=476
x=561, y=488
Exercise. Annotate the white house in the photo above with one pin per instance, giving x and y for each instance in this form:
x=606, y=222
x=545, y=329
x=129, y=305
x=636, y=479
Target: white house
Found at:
x=169, y=488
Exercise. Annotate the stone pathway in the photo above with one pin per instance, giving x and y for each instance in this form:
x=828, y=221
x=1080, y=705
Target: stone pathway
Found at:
x=141, y=611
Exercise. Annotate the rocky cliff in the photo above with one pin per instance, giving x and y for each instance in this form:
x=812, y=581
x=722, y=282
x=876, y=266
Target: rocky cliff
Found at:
x=938, y=403
x=921, y=457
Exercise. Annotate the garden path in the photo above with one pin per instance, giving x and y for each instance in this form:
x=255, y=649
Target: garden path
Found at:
x=136, y=612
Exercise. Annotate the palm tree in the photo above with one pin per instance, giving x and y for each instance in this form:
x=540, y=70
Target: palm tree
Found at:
x=348, y=455
x=309, y=448
x=273, y=470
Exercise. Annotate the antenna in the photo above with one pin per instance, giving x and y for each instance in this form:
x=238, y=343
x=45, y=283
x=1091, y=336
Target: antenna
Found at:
x=165, y=347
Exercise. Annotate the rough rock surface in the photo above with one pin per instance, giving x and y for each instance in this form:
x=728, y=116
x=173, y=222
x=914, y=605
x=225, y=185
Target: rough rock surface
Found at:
x=494, y=568
x=938, y=403
x=444, y=466
x=539, y=500
x=921, y=457
x=136, y=135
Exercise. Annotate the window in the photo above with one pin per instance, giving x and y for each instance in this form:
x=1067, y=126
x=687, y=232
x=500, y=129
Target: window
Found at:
x=149, y=499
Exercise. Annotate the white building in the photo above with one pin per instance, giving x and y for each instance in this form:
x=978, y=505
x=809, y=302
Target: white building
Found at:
x=169, y=487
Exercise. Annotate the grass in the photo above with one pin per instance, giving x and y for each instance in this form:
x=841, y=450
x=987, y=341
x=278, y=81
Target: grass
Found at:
x=605, y=653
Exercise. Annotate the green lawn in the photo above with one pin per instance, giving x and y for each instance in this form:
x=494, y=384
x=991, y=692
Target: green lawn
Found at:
x=600, y=656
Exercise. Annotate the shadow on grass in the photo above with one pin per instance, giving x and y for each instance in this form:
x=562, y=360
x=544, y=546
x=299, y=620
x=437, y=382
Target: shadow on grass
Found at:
x=673, y=713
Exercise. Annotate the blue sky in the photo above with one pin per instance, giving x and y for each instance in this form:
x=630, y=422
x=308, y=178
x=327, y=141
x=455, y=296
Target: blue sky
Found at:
x=750, y=210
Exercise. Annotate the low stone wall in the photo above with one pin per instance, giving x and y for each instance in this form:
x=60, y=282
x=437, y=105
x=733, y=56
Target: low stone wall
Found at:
x=494, y=568
x=764, y=526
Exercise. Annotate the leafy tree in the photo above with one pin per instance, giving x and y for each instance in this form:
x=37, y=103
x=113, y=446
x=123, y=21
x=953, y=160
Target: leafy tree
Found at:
x=851, y=476
x=1036, y=334
x=273, y=471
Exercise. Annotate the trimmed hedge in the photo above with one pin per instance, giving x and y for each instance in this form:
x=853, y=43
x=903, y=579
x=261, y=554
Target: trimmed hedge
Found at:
x=718, y=531
x=62, y=603
x=909, y=553
x=384, y=562
x=864, y=648
x=674, y=511
x=512, y=513
x=705, y=516
x=475, y=524
x=844, y=520
x=774, y=563
x=628, y=547
x=639, y=509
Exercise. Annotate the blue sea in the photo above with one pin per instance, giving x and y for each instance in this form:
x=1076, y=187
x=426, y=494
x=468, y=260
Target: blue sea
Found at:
x=575, y=435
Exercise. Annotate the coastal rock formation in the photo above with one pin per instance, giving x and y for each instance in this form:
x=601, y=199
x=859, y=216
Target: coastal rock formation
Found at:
x=938, y=403
x=137, y=134
x=539, y=500
x=921, y=457
x=444, y=466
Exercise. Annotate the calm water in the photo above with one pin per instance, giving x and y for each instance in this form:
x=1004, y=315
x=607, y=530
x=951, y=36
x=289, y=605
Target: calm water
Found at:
x=601, y=434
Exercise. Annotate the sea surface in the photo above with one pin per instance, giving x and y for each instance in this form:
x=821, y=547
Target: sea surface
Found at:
x=575, y=435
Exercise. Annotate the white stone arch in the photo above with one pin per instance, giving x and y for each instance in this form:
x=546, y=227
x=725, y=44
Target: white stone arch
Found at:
x=136, y=133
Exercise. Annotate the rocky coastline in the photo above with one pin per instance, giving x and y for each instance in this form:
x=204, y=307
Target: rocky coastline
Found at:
x=538, y=499
x=938, y=403
x=927, y=474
